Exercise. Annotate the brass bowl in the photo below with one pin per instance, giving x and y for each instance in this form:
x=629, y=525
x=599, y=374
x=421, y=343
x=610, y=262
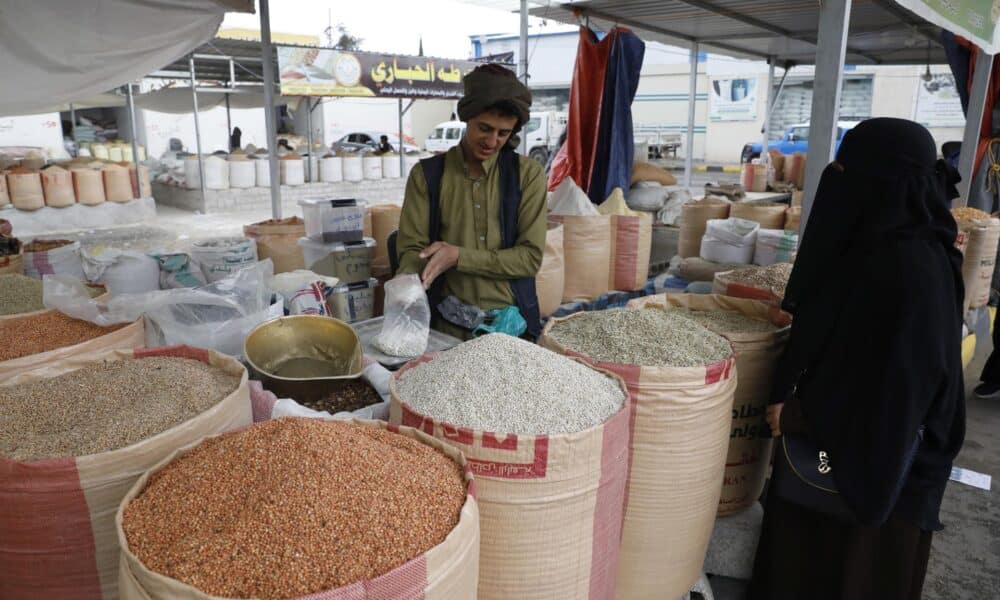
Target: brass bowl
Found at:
x=318, y=341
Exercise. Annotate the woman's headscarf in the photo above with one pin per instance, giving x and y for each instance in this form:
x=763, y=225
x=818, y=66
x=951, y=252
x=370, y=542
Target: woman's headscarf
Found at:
x=876, y=293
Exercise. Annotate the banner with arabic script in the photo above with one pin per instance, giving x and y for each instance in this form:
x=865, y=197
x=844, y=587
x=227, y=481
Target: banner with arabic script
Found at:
x=975, y=20
x=322, y=72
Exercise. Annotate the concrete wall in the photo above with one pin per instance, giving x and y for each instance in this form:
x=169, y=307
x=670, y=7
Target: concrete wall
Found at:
x=661, y=105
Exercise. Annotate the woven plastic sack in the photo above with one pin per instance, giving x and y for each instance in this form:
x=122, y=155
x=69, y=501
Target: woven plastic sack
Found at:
x=723, y=285
x=729, y=240
x=550, y=505
x=57, y=184
x=679, y=426
x=648, y=196
x=24, y=187
x=774, y=246
x=643, y=171
x=279, y=241
x=551, y=277
x=117, y=184
x=698, y=269
x=631, y=243
x=980, y=259
x=795, y=169
x=587, y=256
x=57, y=527
x=693, y=221
x=122, y=271
x=4, y=193
x=793, y=218
x=756, y=358
x=88, y=185
x=769, y=215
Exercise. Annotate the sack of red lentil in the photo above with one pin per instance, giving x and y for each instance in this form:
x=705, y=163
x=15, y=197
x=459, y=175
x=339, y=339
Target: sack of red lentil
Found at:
x=757, y=352
x=446, y=571
x=57, y=531
x=550, y=504
x=678, y=430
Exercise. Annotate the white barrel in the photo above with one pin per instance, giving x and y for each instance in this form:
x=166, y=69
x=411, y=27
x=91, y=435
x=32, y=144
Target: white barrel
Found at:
x=115, y=154
x=216, y=173
x=353, y=170
x=241, y=174
x=412, y=160
x=331, y=169
x=100, y=151
x=262, y=166
x=390, y=166
x=372, y=167
x=314, y=166
x=127, y=154
x=85, y=151
x=192, y=177
x=292, y=171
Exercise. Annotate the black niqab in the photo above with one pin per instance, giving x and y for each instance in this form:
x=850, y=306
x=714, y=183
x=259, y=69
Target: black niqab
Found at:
x=875, y=346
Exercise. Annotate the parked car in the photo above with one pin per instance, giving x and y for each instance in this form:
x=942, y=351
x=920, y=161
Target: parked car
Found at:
x=366, y=141
x=542, y=133
x=444, y=136
x=796, y=139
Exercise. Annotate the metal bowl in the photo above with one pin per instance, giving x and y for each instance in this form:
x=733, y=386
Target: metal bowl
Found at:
x=320, y=341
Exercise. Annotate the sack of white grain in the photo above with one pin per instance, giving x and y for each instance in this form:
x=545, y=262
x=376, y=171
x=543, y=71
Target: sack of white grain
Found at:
x=681, y=380
x=758, y=333
x=774, y=246
x=693, y=221
x=766, y=284
x=729, y=240
x=445, y=571
x=551, y=277
x=292, y=170
x=770, y=215
x=551, y=481
x=980, y=258
x=121, y=271
x=58, y=528
x=220, y=257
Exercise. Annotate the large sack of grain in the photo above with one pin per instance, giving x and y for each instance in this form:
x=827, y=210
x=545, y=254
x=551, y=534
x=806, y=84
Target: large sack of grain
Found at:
x=694, y=218
x=643, y=171
x=278, y=239
x=729, y=240
x=121, y=271
x=679, y=427
x=770, y=215
x=88, y=185
x=550, y=504
x=58, y=530
x=4, y=193
x=117, y=184
x=753, y=177
x=699, y=269
x=551, y=277
x=777, y=164
x=447, y=571
x=757, y=354
x=793, y=218
x=775, y=246
x=53, y=257
x=980, y=259
x=766, y=284
x=631, y=243
x=57, y=185
x=385, y=220
x=587, y=255
x=25, y=188
x=795, y=169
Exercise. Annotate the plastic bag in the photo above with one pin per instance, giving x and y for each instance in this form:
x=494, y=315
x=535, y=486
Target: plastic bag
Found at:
x=289, y=284
x=568, y=199
x=311, y=299
x=648, y=196
x=179, y=271
x=407, y=321
x=506, y=320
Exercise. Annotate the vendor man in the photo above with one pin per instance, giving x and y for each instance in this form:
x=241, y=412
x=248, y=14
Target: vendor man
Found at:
x=474, y=219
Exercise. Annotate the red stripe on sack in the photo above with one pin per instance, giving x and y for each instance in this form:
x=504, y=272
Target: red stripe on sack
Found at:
x=609, y=511
x=505, y=470
x=714, y=373
x=180, y=351
x=412, y=418
x=261, y=402
x=459, y=435
x=40, y=260
x=392, y=427
x=47, y=550
x=630, y=374
x=490, y=440
x=469, y=480
x=744, y=291
x=627, y=253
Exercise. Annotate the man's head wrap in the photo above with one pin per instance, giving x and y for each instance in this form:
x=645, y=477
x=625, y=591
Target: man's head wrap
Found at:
x=489, y=85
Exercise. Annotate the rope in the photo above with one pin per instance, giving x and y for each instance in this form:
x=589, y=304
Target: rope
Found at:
x=993, y=174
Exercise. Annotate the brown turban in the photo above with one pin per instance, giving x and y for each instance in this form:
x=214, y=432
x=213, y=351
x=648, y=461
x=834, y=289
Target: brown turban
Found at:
x=489, y=84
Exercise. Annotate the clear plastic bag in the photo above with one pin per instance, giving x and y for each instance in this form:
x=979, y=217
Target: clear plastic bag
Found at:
x=407, y=321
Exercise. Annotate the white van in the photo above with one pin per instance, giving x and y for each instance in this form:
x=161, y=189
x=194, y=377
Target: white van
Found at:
x=444, y=136
x=541, y=132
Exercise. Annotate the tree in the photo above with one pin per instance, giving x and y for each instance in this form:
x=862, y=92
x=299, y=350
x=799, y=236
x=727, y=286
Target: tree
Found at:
x=346, y=41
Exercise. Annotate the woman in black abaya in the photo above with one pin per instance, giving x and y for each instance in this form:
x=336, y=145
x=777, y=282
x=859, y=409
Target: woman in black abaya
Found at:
x=872, y=373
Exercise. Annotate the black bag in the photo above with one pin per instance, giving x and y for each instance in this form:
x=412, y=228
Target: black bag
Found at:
x=803, y=475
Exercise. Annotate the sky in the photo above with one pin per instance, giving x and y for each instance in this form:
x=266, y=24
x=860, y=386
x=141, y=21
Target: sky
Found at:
x=393, y=26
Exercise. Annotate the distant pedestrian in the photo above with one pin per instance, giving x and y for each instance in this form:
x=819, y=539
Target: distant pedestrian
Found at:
x=384, y=147
x=234, y=139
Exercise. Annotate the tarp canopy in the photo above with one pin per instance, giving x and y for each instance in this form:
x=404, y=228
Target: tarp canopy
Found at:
x=177, y=100
x=56, y=51
x=106, y=100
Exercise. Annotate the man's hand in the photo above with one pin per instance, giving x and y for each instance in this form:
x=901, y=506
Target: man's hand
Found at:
x=774, y=418
x=442, y=256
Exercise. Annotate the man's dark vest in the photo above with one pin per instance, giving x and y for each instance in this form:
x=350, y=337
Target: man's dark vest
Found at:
x=525, y=295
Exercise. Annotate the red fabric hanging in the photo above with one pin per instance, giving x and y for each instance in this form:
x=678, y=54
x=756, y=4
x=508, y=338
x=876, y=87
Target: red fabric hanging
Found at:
x=992, y=94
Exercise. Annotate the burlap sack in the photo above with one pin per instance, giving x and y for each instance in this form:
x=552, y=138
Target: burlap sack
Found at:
x=117, y=183
x=770, y=215
x=12, y=264
x=279, y=241
x=445, y=572
x=88, y=185
x=587, y=256
x=643, y=171
x=57, y=185
x=980, y=259
x=793, y=218
x=57, y=527
x=699, y=269
x=72, y=357
x=631, y=243
x=550, y=505
x=551, y=277
x=795, y=169
x=756, y=358
x=679, y=430
x=25, y=189
x=385, y=220
x=693, y=221
x=724, y=286
x=753, y=177
x=777, y=164
x=4, y=194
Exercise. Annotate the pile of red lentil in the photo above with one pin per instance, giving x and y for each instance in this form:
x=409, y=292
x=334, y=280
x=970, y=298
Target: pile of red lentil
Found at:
x=293, y=507
x=32, y=334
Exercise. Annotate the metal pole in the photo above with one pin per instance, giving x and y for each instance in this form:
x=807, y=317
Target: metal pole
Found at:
x=72, y=122
x=770, y=97
x=973, y=124
x=267, y=62
x=131, y=122
x=523, y=61
x=777, y=94
x=692, y=101
x=309, y=138
x=197, y=131
x=229, y=121
x=402, y=160
x=831, y=46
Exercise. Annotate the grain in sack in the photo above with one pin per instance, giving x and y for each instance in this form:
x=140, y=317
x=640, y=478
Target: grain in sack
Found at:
x=758, y=333
x=278, y=239
x=57, y=185
x=121, y=271
x=58, y=528
x=546, y=438
x=795, y=169
x=88, y=185
x=980, y=259
x=587, y=256
x=730, y=241
x=551, y=277
x=679, y=427
x=12, y=263
x=693, y=221
x=769, y=215
x=766, y=284
x=53, y=257
x=385, y=220
x=775, y=246
x=221, y=257
x=793, y=218
x=25, y=188
x=331, y=169
x=631, y=243
x=753, y=177
x=334, y=521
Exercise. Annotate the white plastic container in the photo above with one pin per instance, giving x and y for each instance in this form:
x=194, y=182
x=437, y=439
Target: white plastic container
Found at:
x=115, y=154
x=220, y=257
x=192, y=176
x=100, y=151
x=412, y=160
x=241, y=174
x=313, y=176
x=353, y=169
x=216, y=173
x=334, y=219
x=262, y=168
x=331, y=169
x=352, y=302
x=292, y=171
x=390, y=166
x=372, y=166
x=347, y=261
